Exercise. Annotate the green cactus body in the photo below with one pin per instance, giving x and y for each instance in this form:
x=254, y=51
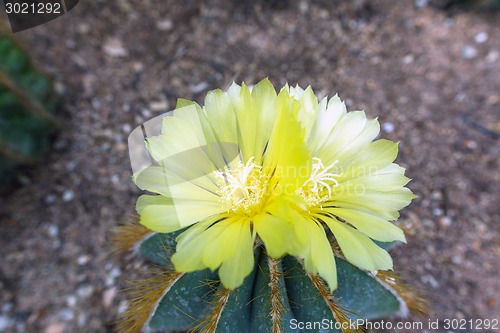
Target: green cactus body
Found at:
x=278, y=296
x=26, y=105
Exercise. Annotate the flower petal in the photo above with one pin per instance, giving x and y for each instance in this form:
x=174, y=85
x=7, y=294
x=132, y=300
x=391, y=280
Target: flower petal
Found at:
x=146, y=200
x=287, y=156
x=276, y=233
x=160, y=218
x=371, y=225
x=325, y=123
x=313, y=246
x=190, y=247
x=372, y=159
x=321, y=258
x=221, y=116
x=178, y=214
x=264, y=107
x=374, y=200
x=358, y=249
x=234, y=270
x=227, y=243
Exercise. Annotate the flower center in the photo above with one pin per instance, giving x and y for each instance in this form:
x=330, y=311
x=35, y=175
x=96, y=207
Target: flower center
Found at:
x=242, y=188
x=318, y=188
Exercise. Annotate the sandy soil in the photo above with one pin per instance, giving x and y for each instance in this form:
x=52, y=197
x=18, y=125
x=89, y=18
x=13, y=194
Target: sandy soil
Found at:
x=432, y=77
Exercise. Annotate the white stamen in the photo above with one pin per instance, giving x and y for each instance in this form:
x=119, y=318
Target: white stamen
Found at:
x=242, y=187
x=319, y=180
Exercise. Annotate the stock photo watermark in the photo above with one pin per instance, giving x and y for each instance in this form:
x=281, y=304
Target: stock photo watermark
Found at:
x=27, y=14
x=464, y=325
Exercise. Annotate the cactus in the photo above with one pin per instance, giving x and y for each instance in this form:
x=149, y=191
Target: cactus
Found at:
x=278, y=296
x=252, y=230
x=26, y=105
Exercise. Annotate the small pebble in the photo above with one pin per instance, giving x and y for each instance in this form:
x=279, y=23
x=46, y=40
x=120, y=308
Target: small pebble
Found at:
x=445, y=221
x=430, y=280
x=55, y=328
x=66, y=314
x=83, y=28
x=113, y=274
x=108, y=297
x=50, y=199
x=5, y=322
x=388, y=127
x=481, y=37
x=469, y=52
x=408, y=59
x=197, y=88
x=70, y=44
x=471, y=144
x=71, y=165
x=60, y=88
x=85, y=291
x=437, y=211
x=96, y=104
x=71, y=301
x=122, y=307
x=421, y=3
x=165, y=25
x=303, y=7
x=68, y=195
x=7, y=307
x=53, y=230
x=82, y=320
x=114, y=48
x=83, y=259
x=115, y=179
x=159, y=106
x=456, y=259
x=127, y=128
x=492, y=56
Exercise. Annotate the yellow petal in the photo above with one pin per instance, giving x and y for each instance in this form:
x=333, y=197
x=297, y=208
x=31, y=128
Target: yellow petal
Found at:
x=374, y=200
x=328, y=116
x=371, y=225
x=152, y=179
x=313, y=246
x=276, y=233
x=382, y=182
x=264, y=113
x=321, y=258
x=234, y=270
x=182, y=133
x=191, y=245
x=227, y=243
x=287, y=156
x=190, y=113
x=221, y=116
x=246, y=119
x=146, y=200
x=358, y=249
x=178, y=214
x=345, y=131
x=225, y=239
x=160, y=218
x=375, y=157
x=309, y=109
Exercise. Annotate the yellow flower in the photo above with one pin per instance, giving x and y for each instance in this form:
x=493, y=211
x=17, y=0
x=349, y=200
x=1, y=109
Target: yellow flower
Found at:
x=284, y=168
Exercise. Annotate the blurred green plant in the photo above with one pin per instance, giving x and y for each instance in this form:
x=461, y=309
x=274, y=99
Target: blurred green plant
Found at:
x=27, y=102
x=279, y=296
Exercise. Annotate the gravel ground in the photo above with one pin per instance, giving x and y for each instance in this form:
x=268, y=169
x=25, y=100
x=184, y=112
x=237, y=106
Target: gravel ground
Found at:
x=432, y=77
